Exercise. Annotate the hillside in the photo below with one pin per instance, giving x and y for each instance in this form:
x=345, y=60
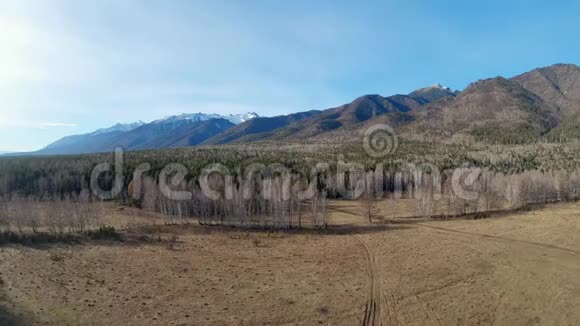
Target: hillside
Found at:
x=495, y=110
x=148, y=136
x=168, y=134
x=258, y=128
x=79, y=144
x=304, y=126
x=173, y=131
x=558, y=85
x=360, y=110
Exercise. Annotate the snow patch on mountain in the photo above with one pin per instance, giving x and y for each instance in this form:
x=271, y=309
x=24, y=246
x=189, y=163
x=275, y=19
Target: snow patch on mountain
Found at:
x=196, y=117
x=438, y=86
x=123, y=127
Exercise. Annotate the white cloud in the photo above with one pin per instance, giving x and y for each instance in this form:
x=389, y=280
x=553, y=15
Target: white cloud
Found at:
x=31, y=124
x=57, y=124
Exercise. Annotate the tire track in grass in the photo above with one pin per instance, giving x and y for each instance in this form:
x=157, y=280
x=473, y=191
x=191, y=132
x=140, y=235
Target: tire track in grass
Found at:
x=372, y=312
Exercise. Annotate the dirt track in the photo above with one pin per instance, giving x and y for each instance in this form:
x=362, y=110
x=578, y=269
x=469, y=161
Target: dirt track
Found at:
x=516, y=270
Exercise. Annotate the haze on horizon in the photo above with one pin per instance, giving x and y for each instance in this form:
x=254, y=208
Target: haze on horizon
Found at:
x=69, y=67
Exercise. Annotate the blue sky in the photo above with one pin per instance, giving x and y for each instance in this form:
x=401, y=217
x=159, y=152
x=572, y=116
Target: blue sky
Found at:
x=69, y=67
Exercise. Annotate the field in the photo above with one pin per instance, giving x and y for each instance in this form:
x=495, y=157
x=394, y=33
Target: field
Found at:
x=510, y=269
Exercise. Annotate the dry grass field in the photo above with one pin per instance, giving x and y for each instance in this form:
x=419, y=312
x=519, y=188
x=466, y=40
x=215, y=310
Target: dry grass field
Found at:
x=514, y=269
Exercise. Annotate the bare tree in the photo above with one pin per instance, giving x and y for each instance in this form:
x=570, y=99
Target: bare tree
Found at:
x=369, y=203
x=324, y=208
x=4, y=214
x=31, y=213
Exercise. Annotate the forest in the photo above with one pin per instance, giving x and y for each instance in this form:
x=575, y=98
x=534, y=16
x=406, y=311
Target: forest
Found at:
x=281, y=186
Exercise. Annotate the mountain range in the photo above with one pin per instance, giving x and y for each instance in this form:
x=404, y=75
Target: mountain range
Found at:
x=543, y=104
x=540, y=104
x=173, y=131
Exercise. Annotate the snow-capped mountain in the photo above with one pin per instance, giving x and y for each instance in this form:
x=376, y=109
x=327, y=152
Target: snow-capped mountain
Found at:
x=432, y=93
x=118, y=127
x=239, y=118
x=178, y=130
x=196, y=117
x=436, y=86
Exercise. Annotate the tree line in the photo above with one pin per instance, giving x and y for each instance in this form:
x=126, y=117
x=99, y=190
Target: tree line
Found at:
x=71, y=213
x=53, y=193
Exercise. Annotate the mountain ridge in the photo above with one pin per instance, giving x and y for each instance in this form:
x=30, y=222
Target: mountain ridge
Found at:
x=361, y=109
x=170, y=131
x=196, y=117
x=543, y=103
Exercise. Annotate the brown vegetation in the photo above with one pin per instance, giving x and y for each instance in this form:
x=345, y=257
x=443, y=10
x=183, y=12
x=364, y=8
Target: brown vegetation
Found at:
x=518, y=269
